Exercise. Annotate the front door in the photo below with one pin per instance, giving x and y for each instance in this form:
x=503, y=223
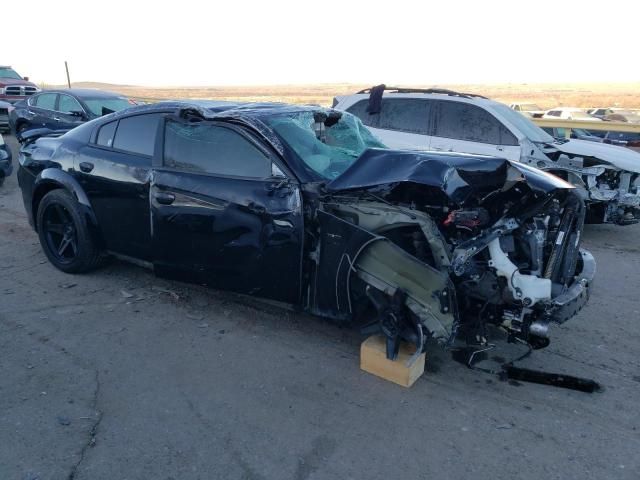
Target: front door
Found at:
x=224, y=213
x=70, y=112
x=466, y=128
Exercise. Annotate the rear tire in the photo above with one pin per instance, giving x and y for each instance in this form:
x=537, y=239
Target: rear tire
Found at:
x=64, y=233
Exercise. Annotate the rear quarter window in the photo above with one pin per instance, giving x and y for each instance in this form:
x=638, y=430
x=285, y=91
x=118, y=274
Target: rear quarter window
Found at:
x=106, y=134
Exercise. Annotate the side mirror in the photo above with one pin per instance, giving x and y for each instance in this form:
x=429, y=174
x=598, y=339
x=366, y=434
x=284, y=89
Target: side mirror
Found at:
x=26, y=79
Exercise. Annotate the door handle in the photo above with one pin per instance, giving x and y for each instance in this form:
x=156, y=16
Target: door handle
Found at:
x=86, y=167
x=57, y=119
x=164, y=198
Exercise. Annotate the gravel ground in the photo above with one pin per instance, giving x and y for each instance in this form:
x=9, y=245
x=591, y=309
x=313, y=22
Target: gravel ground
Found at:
x=121, y=375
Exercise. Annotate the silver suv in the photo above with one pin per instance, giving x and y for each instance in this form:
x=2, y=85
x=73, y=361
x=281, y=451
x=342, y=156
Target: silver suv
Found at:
x=607, y=176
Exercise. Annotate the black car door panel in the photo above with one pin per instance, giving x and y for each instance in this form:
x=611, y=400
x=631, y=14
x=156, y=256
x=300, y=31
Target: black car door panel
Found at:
x=234, y=234
x=241, y=233
x=117, y=185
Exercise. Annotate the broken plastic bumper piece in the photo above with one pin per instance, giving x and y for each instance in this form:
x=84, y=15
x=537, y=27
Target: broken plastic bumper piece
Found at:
x=567, y=304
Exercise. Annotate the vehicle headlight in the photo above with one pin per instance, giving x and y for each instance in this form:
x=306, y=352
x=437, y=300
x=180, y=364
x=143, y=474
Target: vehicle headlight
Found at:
x=1, y=90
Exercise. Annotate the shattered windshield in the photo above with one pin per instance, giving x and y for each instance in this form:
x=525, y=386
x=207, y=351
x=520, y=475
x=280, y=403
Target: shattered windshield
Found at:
x=328, y=142
x=522, y=123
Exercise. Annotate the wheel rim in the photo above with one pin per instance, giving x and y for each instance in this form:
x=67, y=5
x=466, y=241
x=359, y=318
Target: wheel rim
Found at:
x=60, y=233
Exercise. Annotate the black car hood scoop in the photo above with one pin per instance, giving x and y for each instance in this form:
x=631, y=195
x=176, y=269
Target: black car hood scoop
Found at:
x=457, y=175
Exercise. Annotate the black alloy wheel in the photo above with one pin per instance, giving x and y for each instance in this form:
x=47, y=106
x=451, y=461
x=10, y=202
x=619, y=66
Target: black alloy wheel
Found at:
x=60, y=233
x=65, y=235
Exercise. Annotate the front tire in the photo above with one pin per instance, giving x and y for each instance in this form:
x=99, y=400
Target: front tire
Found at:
x=64, y=233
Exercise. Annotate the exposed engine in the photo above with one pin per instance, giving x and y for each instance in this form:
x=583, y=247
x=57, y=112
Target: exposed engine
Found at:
x=505, y=253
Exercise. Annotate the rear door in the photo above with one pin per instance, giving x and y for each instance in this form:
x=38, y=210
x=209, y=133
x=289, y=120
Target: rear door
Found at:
x=41, y=111
x=402, y=123
x=465, y=128
x=115, y=170
x=225, y=212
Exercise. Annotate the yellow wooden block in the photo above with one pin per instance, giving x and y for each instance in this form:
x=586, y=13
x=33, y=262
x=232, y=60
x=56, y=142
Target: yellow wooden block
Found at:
x=373, y=359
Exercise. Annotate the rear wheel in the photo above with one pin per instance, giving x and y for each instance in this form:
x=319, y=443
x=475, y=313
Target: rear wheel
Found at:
x=64, y=233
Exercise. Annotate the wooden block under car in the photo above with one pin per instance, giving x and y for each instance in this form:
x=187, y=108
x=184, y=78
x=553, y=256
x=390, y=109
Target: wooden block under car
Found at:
x=373, y=359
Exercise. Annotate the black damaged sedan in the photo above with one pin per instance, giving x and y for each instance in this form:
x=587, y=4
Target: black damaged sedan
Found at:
x=303, y=205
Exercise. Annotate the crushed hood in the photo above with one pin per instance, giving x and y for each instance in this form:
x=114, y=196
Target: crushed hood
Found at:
x=620, y=157
x=457, y=175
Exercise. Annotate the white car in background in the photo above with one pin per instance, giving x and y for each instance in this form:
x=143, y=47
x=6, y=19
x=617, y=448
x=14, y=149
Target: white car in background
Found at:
x=530, y=109
x=442, y=120
x=570, y=113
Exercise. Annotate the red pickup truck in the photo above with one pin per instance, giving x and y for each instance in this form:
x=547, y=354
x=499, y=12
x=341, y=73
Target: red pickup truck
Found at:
x=13, y=87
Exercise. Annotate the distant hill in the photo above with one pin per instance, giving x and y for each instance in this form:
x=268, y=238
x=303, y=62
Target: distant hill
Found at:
x=547, y=95
x=98, y=85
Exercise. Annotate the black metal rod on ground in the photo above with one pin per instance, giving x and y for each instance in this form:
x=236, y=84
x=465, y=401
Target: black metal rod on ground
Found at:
x=554, y=379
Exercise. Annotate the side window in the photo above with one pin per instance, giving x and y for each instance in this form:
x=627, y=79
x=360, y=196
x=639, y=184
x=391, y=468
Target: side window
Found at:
x=67, y=104
x=106, y=134
x=46, y=101
x=405, y=115
x=359, y=109
x=137, y=134
x=206, y=148
x=554, y=113
x=462, y=121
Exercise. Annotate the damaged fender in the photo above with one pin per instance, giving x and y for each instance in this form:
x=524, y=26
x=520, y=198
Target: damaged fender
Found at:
x=348, y=250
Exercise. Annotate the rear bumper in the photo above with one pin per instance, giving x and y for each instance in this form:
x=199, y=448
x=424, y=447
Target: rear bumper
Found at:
x=569, y=303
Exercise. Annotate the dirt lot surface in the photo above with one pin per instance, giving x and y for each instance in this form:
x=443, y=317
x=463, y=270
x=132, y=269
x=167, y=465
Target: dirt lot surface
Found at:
x=121, y=375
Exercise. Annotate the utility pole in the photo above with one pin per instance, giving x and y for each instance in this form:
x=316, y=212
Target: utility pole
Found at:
x=66, y=67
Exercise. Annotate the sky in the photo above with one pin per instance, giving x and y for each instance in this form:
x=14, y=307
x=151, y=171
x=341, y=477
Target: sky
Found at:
x=246, y=42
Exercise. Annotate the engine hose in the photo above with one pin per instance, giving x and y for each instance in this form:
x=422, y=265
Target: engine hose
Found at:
x=562, y=237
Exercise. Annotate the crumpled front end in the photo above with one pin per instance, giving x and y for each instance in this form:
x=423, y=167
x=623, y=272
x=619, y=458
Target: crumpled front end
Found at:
x=442, y=246
x=608, y=177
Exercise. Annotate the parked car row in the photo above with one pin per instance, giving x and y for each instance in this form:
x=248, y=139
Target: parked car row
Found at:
x=64, y=109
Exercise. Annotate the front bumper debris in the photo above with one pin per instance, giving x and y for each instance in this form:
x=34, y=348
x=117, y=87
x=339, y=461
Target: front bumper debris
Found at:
x=569, y=303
